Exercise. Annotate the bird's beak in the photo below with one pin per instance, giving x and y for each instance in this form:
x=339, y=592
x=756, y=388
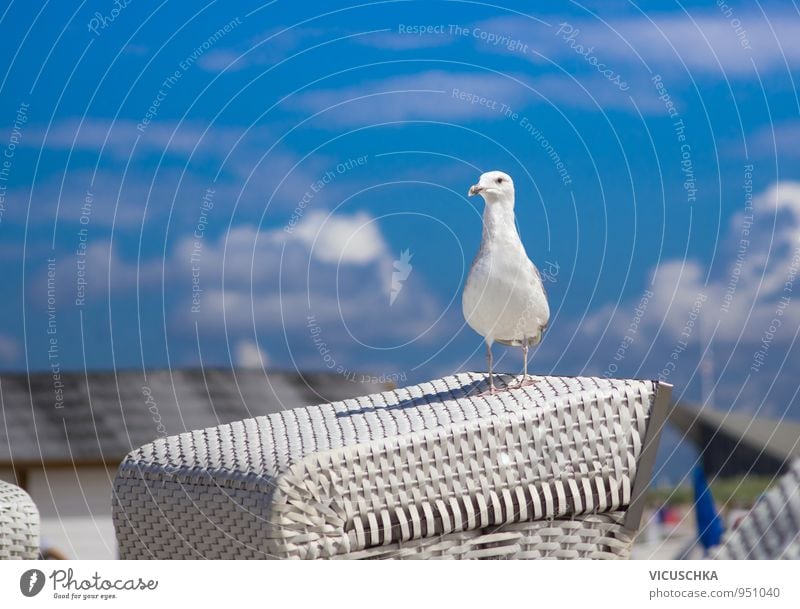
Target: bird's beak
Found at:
x=475, y=189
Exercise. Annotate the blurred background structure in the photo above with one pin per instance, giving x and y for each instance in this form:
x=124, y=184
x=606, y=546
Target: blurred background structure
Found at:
x=67, y=461
x=735, y=444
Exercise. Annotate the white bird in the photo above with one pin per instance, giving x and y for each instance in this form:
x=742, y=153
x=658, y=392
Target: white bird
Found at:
x=504, y=298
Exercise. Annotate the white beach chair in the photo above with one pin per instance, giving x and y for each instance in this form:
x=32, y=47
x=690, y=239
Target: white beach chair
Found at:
x=19, y=524
x=554, y=470
x=771, y=530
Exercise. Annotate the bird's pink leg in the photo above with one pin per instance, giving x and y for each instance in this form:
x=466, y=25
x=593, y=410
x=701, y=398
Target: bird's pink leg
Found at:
x=489, y=358
x=491, y=390
x=525, y=363
x=525, y=381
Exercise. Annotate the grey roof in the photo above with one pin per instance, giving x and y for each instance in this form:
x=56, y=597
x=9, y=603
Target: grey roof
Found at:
x=778, y=439
x=106, y=414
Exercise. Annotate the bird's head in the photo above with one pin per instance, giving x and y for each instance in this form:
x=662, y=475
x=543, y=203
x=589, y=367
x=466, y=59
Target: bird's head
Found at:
x=494, y=186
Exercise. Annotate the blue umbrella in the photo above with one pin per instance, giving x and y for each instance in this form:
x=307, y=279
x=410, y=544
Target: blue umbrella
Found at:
x=709, y=523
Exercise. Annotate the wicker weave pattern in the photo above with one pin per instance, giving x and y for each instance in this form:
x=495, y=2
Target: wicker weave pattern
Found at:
x=19, y=524
x=772, y=528
x=595, y=536
x=424, y=470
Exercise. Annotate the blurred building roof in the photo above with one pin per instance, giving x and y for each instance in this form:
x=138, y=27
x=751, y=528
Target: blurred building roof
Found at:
x=737, y=443
x=106, y=414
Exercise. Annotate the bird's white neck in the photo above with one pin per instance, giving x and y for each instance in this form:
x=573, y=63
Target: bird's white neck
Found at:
x=498, y=222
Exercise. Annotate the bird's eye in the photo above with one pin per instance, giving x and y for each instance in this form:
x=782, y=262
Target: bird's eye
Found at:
x=499, y=180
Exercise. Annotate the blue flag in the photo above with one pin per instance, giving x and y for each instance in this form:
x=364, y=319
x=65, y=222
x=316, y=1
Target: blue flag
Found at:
x=709, y=523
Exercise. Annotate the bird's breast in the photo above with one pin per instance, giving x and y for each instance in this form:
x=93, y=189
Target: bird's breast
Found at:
x=504, y=298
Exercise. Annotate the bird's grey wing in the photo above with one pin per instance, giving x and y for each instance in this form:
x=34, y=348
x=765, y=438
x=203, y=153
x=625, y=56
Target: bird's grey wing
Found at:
x=544, y=291
x=532, y=340
x=508, y=343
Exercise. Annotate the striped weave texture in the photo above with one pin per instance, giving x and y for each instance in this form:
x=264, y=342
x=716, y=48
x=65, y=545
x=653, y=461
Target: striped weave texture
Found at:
x=426, y=471
x=19, y=524
x=772, y=528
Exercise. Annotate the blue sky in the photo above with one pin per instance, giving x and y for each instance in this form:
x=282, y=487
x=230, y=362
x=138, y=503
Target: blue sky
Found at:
x=314, y=148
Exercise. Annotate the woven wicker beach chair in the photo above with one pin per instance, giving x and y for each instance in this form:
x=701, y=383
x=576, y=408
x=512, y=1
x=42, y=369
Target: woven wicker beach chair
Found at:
x=553, y=470
x=772, y=528
x=19, y=524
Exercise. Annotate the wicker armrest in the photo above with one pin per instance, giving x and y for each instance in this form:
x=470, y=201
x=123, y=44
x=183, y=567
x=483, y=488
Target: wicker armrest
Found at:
x=771, y=530
x=19, y=524
x=553, y=469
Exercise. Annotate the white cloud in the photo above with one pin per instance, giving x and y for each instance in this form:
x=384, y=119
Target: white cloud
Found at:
x=708, y=42
x=633, y=47
x=742, y=296
x=428, y=95
x=771, y=259
x=246, y=254
x=267, y=49
x=336, y=268
x=436, y=96
x=249, y=176
x=220, y=60
x=664, y=332
x=103, y=273
x=250, y=355
x=337, y=238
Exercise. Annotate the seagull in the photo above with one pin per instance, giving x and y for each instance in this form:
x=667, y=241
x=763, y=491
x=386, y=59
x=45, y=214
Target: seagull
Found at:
x=504, y=298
